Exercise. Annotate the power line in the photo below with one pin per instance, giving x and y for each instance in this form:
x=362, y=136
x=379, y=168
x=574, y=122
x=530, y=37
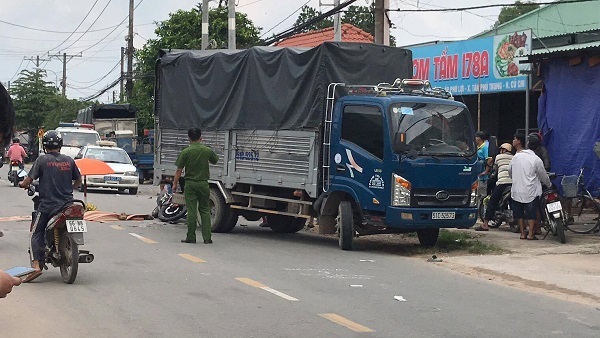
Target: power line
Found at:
x=18, y=69
x=459, y=9
x=76, y=28
x=67, y=32
x=99, y=15
x=287, y=17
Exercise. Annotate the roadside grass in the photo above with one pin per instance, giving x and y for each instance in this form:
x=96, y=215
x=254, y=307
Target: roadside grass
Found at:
x=449, y=242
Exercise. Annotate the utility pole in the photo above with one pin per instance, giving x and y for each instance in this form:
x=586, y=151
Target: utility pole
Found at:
x=231, y=24
x=382, y=25
x=121, y=92
x=129, y=84
x=64, y=56
x=337, y=23
x=37, y=60
x=204, y=24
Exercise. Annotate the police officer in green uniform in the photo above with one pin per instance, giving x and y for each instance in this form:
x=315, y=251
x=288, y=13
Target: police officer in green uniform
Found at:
x=194, y=159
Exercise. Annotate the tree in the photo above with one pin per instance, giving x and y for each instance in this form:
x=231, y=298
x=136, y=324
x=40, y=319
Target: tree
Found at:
x=32, y=96
x=182, y=31
x=519, y=8
x=308, y=13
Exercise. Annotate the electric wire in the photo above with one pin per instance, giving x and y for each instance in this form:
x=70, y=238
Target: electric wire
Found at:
x=76, y=28
x=99, y=15
x=459, y=9
x=287, y=17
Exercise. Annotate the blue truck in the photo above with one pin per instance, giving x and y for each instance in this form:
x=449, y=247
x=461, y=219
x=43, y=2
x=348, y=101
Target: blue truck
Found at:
x=301, y=137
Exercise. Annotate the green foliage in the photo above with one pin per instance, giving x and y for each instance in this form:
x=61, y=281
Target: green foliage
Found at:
x=510, y=12
x=183, y=31
x=307, y=13
x=38, y=103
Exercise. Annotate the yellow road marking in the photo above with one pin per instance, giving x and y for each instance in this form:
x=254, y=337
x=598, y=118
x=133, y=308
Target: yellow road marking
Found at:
x=143, y=239
x=117, y=227
x=251, y=282
x=345, y=322
x=192, y=258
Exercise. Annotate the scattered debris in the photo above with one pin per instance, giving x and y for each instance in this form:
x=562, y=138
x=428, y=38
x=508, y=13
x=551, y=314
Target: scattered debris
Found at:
x=367, y=260
x=400, y=298
x=434, y=258
x=356, y=286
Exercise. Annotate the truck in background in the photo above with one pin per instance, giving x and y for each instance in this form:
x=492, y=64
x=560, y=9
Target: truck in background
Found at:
x=118, y=123
x=298, y=137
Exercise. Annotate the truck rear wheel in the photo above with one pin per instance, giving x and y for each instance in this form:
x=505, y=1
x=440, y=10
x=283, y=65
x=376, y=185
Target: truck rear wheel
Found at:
x=345, y=224
x=285, y=224
x=221, y=217
x=428, y=237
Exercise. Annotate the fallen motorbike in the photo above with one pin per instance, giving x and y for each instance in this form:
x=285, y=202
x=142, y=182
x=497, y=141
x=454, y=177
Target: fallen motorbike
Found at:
x=552, y=215
x=64, y=234
x=503, y=212
x=166, y=209
x=16, y=174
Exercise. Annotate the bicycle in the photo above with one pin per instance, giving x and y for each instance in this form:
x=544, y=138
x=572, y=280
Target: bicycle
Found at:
x=582, y=212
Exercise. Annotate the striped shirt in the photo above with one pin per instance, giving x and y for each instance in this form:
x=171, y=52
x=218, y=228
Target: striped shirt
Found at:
x=502, y=162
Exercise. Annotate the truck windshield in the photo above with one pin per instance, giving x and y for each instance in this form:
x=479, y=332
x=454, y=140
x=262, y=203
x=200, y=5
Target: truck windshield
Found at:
x=75, y=139
x=434, y=129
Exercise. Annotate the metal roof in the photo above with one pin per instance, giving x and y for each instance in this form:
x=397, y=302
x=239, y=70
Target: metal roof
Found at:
x=572, y=47
x=554, y=19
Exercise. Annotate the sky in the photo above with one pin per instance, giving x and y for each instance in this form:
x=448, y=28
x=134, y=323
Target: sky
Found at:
x=100, y=28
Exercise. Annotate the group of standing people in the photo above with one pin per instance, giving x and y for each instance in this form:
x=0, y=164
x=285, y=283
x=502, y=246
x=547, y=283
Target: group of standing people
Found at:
x=523, y=166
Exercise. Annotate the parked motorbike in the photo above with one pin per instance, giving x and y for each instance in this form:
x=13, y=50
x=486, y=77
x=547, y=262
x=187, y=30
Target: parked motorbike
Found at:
x=63, y=236
x=503, y=213
x=166, y=210
x=16, y=174
x=553, y=217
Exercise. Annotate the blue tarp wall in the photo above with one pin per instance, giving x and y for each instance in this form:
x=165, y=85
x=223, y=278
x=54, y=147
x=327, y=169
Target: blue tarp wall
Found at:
x=569, y=117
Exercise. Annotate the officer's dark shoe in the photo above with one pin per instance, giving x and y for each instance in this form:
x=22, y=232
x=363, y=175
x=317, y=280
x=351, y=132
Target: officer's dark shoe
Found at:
x=208, y=241
x=187, y=241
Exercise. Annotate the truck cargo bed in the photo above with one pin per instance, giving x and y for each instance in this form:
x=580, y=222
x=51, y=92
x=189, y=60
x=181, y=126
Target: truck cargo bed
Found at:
x=285, y=158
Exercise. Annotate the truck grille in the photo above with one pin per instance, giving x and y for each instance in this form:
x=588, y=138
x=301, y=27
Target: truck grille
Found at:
x=429, y=198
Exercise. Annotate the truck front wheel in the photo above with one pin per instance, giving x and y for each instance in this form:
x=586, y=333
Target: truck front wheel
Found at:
x=345, y=224
x=428, y=237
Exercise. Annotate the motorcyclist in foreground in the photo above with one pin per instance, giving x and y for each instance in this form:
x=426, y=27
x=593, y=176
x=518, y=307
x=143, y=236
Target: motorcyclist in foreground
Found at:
x=58, y=176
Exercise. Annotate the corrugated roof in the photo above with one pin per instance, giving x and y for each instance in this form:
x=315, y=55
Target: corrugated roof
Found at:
x=350, y=33
x=554, y=19
x=572, y=47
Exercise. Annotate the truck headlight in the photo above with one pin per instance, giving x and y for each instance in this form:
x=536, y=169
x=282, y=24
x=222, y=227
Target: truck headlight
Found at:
x=473, y=200
x=131, y=173
x=401, y=192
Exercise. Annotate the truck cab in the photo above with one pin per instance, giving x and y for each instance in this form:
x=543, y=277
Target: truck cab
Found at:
x=75, y=136
x=403, y=157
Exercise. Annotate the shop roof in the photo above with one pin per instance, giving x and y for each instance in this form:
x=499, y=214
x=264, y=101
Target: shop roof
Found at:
x=554, y=19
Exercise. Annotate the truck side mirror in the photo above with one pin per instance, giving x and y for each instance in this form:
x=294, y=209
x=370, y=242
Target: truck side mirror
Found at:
x=400, y=145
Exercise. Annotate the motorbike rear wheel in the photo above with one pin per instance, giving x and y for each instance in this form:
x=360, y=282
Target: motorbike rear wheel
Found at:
x=69, y=262
x=15, y=178
x=558, y=229
x=171, y=212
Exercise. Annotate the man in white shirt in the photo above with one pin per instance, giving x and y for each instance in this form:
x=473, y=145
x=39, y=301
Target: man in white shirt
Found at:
x=528, y=174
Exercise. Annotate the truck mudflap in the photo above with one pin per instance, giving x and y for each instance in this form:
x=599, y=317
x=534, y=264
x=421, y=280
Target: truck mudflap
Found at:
x=422, y=218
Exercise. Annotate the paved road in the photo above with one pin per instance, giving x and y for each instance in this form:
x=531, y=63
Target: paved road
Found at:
x=254, y=283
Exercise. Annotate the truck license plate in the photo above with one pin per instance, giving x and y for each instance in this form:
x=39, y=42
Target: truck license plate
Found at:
x=443, y=215
x=76, y=225
x=554, y=206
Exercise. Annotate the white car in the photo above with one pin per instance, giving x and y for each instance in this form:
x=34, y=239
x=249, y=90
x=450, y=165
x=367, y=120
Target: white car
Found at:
x=125, y=176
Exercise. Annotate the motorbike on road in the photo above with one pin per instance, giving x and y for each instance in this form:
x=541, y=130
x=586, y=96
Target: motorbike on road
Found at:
x=15, y=173
x=503, y=212
x=166, y=210
x=63, y=236
x=552, y=215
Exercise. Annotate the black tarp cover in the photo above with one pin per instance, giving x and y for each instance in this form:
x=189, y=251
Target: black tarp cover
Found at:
x=267, y=88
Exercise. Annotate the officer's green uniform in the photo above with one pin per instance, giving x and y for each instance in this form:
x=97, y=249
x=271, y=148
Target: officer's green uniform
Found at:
x=194, y=159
